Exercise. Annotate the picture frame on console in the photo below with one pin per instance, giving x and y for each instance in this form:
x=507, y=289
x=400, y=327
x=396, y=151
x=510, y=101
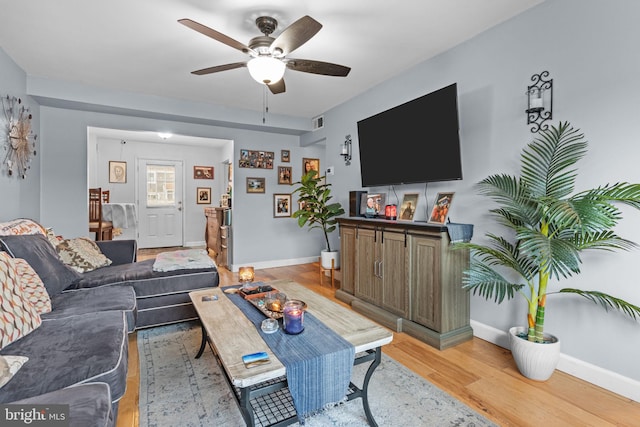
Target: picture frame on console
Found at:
x=441, y=208
x=408, y=206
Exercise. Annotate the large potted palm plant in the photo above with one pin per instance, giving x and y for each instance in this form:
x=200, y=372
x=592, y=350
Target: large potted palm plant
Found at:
x=547, y=226
x=316, y=211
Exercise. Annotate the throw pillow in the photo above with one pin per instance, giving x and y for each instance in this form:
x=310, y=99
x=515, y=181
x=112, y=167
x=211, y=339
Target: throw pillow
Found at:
x=19, y=317
x=9, y=366
x=21, y=226
x=42, y=257
x=32, y=286
x=82, y=254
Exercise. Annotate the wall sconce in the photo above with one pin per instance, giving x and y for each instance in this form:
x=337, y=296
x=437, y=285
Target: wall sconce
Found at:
x=346, y=150
x=540, y=101
x=246, y=275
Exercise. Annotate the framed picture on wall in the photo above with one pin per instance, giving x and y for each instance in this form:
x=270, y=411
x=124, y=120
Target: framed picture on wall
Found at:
x=281, y=205
x=117, y=172
x=285, y=156
x=255, y=185
x=203, y=195
x=284, y=175
x=203, y=172
x=441, y=208
x=408, y=206
x=308, y=164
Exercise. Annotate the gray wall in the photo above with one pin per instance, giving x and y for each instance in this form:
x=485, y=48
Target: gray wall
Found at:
x=18, y=197
x=589, y=47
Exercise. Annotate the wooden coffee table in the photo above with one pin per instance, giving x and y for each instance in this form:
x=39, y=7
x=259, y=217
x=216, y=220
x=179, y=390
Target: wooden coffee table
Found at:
x=231, y=335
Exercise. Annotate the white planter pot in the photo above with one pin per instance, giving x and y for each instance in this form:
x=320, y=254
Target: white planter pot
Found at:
x=326, y=257
x=535, y=361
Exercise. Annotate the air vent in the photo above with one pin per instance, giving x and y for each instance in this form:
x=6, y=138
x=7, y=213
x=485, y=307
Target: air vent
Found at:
x=318, y=122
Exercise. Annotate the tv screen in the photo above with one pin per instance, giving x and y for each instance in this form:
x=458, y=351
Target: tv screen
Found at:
x=417, y=141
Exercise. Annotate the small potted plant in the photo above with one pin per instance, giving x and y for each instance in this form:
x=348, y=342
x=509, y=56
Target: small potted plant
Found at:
x=317, y=212
x=547, y=226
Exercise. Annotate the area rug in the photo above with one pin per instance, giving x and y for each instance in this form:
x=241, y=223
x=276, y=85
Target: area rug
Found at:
x=178, y=390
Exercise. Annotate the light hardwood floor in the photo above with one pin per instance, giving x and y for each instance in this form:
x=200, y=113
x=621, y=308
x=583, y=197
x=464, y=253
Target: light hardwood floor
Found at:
x=476, y=372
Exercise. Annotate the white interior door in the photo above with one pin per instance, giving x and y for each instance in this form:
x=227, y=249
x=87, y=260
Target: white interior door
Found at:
x=160, y=203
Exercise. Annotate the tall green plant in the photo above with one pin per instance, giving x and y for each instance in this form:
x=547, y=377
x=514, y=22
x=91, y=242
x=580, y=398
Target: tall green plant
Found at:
x=547, y=227
x=316, y=210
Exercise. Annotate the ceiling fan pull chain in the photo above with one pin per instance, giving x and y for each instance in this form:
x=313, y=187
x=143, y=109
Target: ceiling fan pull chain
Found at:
x=264, y=104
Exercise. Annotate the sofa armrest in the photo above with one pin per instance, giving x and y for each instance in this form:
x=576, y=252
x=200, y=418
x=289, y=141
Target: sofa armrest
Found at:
x=119, y=251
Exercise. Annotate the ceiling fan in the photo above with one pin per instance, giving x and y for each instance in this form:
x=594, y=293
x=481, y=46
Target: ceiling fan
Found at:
x=268, y=54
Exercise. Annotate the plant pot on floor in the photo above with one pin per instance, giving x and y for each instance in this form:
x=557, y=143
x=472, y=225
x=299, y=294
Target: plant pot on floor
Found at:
x=327, y=256
x=536, y=361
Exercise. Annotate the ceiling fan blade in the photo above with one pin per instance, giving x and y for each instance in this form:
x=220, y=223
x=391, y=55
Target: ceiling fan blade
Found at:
x=277, y=87
x=209, y=32
x=317, y=67
x=219, y=68
x=295, y=35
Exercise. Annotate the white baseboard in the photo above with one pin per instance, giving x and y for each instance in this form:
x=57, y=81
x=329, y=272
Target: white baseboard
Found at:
x=276, y=263
x=195, y=244
x=593, y=374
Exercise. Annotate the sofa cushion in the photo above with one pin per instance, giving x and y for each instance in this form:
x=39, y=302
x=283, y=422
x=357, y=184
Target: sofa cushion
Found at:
x=19, y=318
x=42, y=257
x=68, y=351
x=89, y=404
x=9, y=365
x=21, y=226
x=81, y=254
x=102, y=298
x=147, y=282
x=32, y=286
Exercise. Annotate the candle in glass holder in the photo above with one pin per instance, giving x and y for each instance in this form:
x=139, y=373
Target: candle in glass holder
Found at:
x=246, y=275
x=293, y=317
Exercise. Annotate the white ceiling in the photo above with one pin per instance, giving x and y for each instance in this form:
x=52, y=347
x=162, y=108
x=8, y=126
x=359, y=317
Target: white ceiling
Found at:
x=138, y=45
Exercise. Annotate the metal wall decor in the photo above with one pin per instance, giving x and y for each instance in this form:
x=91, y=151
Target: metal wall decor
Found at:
x=346, y=150
x=20, y=144
x=540, y=101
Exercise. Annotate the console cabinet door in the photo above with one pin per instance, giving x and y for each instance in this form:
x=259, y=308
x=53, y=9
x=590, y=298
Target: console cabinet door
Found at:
x=394, y=271
x=425, y=282
x=348, y=261
x=367, y=283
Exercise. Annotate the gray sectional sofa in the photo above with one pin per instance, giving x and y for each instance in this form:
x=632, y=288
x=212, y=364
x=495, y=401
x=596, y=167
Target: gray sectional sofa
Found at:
x=78, y=354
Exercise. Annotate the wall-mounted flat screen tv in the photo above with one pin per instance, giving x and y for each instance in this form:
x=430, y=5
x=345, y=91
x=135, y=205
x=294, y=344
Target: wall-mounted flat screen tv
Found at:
x=417, y=141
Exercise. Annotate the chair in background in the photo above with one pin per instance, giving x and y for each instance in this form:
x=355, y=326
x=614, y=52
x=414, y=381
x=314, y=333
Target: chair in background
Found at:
x=105, y=196
x=103, y=229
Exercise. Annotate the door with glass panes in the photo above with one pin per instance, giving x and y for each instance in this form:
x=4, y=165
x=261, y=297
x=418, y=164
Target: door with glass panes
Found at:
x=160, y=203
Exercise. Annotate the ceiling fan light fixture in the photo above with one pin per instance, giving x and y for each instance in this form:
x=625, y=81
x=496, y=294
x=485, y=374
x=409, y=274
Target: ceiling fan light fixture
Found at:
x=266, y=70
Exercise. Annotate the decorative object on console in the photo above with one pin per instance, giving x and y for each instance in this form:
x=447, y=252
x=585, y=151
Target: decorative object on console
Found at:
x=547, y=227
x=117, y=172
x=540, y=101
x=346, y=150
x=408, y=206
x=20, y=141
x=281, y=205
x=203, y=172
x=203, y=195
x=441, y=208
x=317, y=212
x=391, y=212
